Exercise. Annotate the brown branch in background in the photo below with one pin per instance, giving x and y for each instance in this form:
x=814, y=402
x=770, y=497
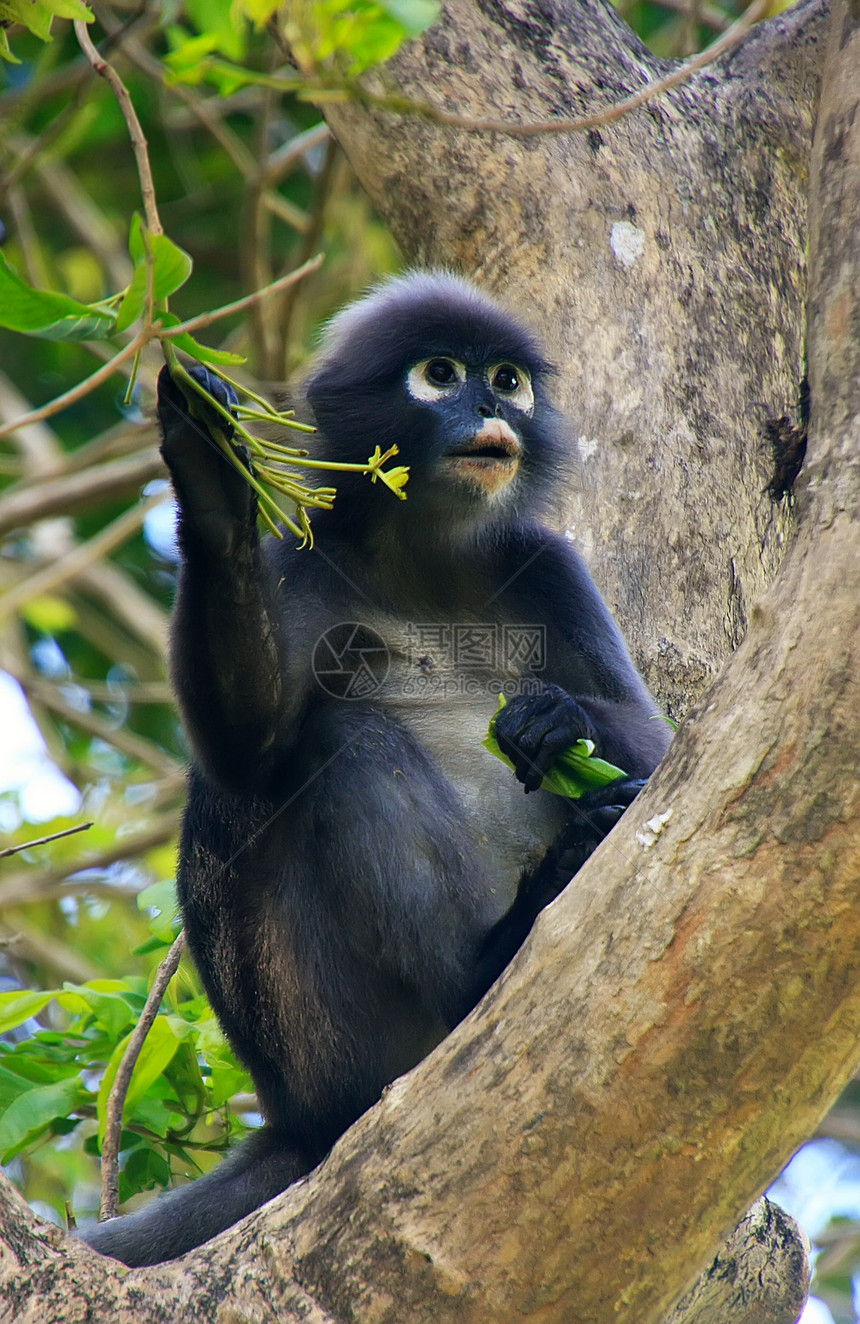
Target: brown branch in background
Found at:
x=83, y=388
x=138, y=141
x=248, y=300
x=309, y=243
x=68, y=493
x=451, y=119
x=119, y=1089
x=137, y=748
x=256, y=257
x=38, y=446
x=135, y=612
x=43, y=841
x=279, y=163
x=85, y=554
x=25, y=233
x=56, y=956
x=29, y=885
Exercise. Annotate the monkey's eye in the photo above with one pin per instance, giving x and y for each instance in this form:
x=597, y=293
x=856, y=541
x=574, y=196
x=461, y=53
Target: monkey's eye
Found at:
x=506, y=378
x=514, y=384
x=441, y=372
x=434, y=377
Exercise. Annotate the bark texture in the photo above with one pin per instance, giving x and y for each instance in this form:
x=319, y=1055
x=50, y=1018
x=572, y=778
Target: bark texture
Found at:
x=662, y=260
x=683, y=1015
x=250, y=1276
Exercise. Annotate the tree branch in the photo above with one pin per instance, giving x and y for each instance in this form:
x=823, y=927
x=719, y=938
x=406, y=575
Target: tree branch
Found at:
x=597, y=119
x=43, y=841
x=100, y=483
x=119, y=1089
x=138, y=141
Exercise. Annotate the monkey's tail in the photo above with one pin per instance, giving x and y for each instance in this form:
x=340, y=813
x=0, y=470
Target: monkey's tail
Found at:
x=259, y=1169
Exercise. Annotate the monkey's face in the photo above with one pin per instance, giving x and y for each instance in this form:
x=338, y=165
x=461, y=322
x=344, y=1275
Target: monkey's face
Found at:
x=433, y=366
x=478, y=411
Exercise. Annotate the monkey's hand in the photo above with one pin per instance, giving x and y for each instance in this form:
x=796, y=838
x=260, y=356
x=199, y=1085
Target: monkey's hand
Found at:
x=213, y=496
x=594, y=816
x=533, y=729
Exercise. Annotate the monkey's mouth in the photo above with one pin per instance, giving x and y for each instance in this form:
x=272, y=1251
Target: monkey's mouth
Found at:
x=491, y=457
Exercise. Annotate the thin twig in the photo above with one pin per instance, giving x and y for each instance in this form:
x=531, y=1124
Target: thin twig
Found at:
x=206, y=319
x=83, y=388
x=138, y=748
x=119, y=1089
x=199, y=106
x=138, y=141
x=608, y=115
x=28, y=885
x=309, y=242
x=43, y=841
x=282, y=161
x=80, y=557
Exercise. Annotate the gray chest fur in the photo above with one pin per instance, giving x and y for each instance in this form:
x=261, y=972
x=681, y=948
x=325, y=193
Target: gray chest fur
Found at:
x=443, y=685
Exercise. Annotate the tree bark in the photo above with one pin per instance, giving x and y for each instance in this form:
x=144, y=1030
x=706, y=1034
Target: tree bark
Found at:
x=661, y=258
x=684, y=1014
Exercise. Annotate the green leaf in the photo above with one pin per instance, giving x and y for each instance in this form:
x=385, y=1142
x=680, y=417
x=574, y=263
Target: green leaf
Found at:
x=144, y=1169
x=204, y=353
x=171, y=267
x=160, y=897
x=114, y=1008
x=17, y=1007
x=47, y=314
x=159, y=1047
x=574, y=772
x=6, y=49
x=32, y=1113
x=36, y=15
x=155, y=1116
x=415, y=15
x=218, y=20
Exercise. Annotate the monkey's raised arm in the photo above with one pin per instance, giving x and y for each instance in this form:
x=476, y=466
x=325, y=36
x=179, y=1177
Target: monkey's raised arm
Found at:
x=227, y=651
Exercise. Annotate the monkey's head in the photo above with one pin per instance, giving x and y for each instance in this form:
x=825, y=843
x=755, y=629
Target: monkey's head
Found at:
x=432, y=365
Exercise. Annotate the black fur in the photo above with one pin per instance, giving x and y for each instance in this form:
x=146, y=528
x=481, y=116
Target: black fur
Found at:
x=354, y=874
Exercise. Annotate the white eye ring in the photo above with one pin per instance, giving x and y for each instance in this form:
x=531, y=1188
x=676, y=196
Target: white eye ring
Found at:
x=522, y=397
x=420, y=383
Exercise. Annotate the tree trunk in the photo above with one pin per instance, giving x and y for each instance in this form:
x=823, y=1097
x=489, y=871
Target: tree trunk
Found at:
x=661, y=259
x=685, y=1013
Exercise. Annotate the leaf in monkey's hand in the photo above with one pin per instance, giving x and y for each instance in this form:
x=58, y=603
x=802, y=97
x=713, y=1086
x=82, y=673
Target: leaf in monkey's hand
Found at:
x=574, y=772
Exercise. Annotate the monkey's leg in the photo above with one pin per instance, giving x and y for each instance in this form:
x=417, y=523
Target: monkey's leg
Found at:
x=594, y=816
